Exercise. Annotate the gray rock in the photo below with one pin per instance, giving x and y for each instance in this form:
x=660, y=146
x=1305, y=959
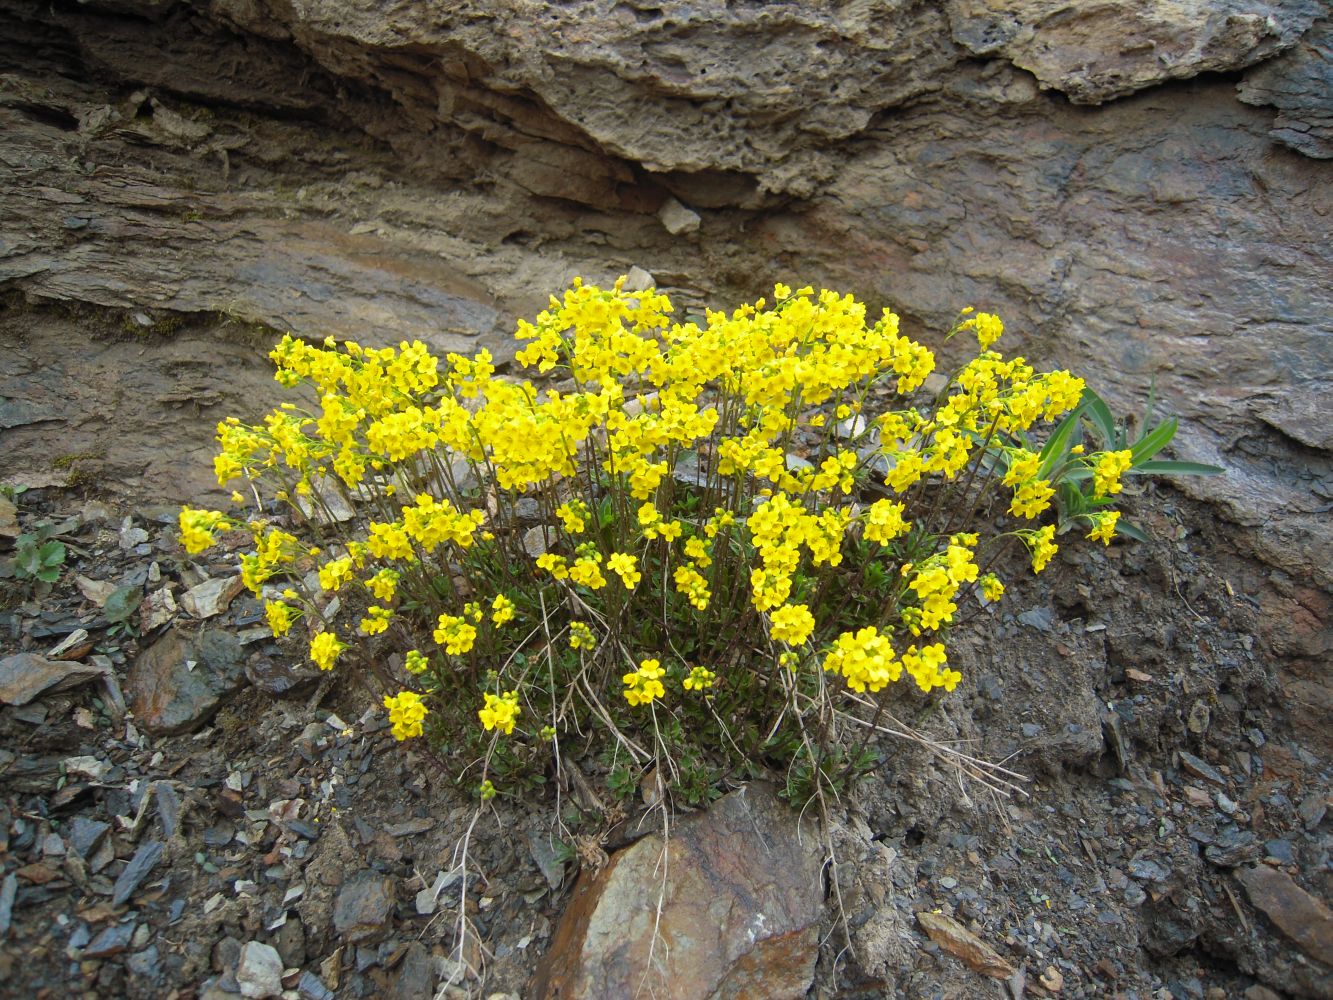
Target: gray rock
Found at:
x=24, y=676
x=85, y=834
x=259, y=970
x=678, y=219
x=416, y=975
x=111, y=941
x=176, y=684
x=290, y=942
x=8, y=890
x=143, y=862
x=145, y=963
x=362, y=907
x=311, y=987
x=1201, y=768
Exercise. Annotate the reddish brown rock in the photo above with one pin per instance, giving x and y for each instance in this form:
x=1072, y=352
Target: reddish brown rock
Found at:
x=730, y=909
x=1297, y=914
x=177, y=683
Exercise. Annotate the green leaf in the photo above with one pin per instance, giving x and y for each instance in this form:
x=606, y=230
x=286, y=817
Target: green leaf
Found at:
x=52, y=554
x=1100, y=415
x=1168, y=467
x=122, y=603
x=1153, y=442
x=1123, y=527
x=1055, y=448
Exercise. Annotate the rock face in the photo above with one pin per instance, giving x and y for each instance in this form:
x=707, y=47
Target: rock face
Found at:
x=740, y=896
x=432, y=171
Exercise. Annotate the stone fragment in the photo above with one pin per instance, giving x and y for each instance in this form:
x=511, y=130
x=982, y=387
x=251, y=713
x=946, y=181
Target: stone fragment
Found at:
x=331, y=508
x=1232, y=847
x=259, y=970
x=1107, y=52
x=290, y=943
x=131, y=536
x=73, y=647
x=739, y=912
x=638, y=280
x=1307, y=921
x=958, y=941
x=213, y=596
x=362, y=907
x=157, y=608
x=9, y=521
x=85, y=834
x=1201, y=768
x=311, y=987
x=8, y=889
x=176, y=684
x=678, y=219
x=416, y=975
x=97, y=592
x=1298, y=83
x=279, y=675
x=111, y=941
x=24, y=676
x=143, y=862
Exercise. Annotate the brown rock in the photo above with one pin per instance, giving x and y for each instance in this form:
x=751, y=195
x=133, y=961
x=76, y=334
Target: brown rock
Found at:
x=960, y=942
x=739, y=909
x=362, y=908
x=1297, y=914
x=1070, y=49
x=213, y=596
x=24, y=676
x=176, y=684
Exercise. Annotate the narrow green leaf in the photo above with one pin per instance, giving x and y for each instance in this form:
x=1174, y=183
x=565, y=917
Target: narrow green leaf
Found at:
x=1169, y=467
x=1154, y=441
x=1123, y=527
x=1100, y=415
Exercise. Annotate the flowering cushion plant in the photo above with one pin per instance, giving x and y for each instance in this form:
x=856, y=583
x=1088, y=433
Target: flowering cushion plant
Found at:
x=729, y=514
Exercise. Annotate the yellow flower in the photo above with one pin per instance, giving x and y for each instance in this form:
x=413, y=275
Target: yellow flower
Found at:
x=1106, y=473
x=926, y=667
x=455, y=634
x=376, y=620
x=325, y=649
x=500, y=712
x=1043, y=547
x=700, y=679
x=792, y=624
x=1103, y=525
x=574, y=516
x=502, y=610
x=580, y=636
x=556, y=565
x=991, y=587
x=197, y=527
x=884, y=522
x=280, y=616
x=625, y=566
x=645, y=684
x=384, y=584
x=407, y=713
x=334, y=573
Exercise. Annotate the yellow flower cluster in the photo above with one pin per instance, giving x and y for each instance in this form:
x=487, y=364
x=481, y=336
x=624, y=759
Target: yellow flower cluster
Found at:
x=409, y=438
x=644, y=684
x=407, y=713
x=500, y=712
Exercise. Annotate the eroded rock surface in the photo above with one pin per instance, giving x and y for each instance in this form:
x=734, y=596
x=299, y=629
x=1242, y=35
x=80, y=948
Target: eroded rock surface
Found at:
x=425, y=172
x=729, y=909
